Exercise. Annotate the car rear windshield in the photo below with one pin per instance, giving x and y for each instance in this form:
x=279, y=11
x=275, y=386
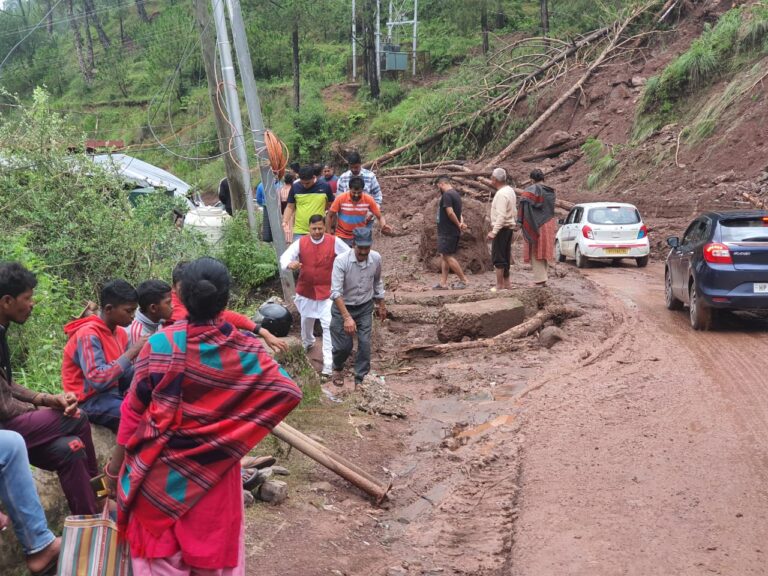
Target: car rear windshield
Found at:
x=613, y=215
x=745, y=229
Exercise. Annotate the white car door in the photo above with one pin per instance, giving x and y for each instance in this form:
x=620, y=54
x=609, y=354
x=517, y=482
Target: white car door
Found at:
x=571, y=231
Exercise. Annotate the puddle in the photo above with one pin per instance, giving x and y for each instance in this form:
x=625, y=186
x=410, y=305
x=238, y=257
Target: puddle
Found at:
x=503, y=420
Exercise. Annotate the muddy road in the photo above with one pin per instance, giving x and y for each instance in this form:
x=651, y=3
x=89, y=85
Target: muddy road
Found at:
x=650, y=456
x=636, y=446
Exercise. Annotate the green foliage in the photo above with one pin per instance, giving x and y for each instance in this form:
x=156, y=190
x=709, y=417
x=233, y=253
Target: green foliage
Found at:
x=738, y=36
x=37, y=349
x=602, y=162
x=250, y=261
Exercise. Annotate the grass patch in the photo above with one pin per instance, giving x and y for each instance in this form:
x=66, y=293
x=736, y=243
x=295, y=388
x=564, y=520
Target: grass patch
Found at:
x=601, y=160
x=738, y=37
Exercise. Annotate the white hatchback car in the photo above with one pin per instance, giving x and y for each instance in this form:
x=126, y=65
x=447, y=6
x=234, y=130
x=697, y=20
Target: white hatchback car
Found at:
x=602, y=230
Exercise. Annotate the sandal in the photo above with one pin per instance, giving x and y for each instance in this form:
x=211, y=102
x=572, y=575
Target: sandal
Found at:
x=338, y=378
x=458, y=286
x=439, y=287
x=50, y=568
x=257, y=461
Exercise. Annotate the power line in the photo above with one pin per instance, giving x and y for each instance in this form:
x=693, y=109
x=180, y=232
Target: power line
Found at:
x=30, y=33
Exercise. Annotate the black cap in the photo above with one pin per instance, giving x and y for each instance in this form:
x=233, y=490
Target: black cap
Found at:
x=362, y=236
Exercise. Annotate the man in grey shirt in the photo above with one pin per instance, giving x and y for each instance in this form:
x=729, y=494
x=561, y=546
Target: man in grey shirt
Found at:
x=356, y=285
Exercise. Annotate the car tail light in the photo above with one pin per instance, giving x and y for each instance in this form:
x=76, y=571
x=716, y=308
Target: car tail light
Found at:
x=643, y=232
x=587, y=232
x=716, y=253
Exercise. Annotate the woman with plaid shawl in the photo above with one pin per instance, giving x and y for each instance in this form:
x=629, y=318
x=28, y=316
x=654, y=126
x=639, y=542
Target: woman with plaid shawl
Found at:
x=203, y=395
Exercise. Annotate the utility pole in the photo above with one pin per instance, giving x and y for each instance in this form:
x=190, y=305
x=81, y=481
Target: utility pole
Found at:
x=415, y=29
x=237, y=189
x=257, y=132
x=233, y=106
x=354, y=42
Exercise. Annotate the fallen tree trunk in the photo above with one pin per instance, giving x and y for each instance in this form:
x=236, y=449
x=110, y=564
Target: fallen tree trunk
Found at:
x=494, y=104
x=423, y=166
x=455, y=174
x=553, y=152
x=522, y=138
x=503, y=340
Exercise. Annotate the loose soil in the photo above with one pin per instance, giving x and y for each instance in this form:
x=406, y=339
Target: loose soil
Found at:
x=634, y=446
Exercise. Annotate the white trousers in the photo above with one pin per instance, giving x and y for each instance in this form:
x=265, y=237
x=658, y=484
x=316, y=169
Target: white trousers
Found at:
x=310, y=311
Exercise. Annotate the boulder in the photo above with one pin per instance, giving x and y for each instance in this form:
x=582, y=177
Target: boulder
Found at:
x=637, y=81
x=557, y=138
x=273, y=491
x=479, y=319
x=550, y=336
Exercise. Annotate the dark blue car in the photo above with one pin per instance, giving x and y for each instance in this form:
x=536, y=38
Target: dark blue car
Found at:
x=721, y=263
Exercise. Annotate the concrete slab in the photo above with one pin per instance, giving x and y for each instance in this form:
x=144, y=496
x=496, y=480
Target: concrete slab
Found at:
x=483, y=319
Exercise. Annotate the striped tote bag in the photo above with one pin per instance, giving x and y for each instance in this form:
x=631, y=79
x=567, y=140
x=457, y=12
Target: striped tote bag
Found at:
x=90, y=547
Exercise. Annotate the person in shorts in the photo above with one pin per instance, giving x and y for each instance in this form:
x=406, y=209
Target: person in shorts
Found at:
x=450, y=225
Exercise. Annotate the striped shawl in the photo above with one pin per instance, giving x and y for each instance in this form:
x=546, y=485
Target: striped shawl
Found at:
x=207, y=394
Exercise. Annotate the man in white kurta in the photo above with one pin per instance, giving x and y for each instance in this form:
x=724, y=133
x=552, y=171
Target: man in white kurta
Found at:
x=313, y=257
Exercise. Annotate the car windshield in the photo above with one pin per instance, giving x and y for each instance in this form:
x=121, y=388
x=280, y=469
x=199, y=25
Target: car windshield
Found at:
x=745, y=229
x=613, y=215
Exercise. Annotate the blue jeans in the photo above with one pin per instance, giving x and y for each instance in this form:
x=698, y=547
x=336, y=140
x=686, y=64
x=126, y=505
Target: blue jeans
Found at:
x=104, y=409
x=19, y=495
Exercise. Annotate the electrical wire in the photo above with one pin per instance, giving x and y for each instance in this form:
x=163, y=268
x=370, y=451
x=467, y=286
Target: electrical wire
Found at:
x=19, y=43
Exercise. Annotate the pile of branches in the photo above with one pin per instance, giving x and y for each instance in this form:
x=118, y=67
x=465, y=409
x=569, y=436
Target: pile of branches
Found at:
x=524, y=67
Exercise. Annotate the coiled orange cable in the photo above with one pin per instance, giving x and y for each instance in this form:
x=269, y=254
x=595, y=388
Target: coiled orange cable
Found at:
x=278, y=153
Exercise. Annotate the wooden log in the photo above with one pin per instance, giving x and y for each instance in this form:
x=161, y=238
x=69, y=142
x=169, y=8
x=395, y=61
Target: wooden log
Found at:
x=528, y=132
x=332, y=461
x=503, y=340
x=424, y=166
x=754, y=200
x=435, y=175
x=553, y=152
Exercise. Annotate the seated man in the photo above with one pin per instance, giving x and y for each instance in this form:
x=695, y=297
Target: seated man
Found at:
x=239, y=321
x=97, y=366
x=57, y=435
x=155, y=309
x=19, y=497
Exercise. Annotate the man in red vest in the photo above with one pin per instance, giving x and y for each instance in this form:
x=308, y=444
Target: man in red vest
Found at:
x=313, y=257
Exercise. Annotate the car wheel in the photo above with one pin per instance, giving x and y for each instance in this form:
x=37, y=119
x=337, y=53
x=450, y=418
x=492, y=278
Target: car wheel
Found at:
x=669, y=296
x=642, y=262
x=559, y=256
x=701, y=314
x=581, y=261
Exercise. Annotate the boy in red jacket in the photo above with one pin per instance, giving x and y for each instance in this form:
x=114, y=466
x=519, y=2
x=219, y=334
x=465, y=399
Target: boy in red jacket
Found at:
x=97, y=364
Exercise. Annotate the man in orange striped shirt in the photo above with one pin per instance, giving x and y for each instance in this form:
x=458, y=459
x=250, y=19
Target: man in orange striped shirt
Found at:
x=354, y=209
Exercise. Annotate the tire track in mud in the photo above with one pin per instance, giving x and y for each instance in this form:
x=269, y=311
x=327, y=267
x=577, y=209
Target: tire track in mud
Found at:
x=665, y=449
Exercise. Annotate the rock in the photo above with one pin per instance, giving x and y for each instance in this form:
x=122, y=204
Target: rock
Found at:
x=729, y=176
x=412, y=314
x=551, y=335
x=321, y=487
x=557, y=138
x=397, y=571
x=248, y=499
x=637, y=81
x=280, y=471
x=273, y=491
x=479, y=319
x=621, y=92
x=593, y=117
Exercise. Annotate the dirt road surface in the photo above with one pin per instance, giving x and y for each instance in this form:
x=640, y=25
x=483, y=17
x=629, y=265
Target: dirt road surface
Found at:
x=650, y=457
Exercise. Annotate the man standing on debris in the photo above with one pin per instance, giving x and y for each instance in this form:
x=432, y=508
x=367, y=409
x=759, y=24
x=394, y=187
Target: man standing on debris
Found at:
x=369, y=178
x=503, y=220
x=536, y=217
x=313, y=257
x=450, y=225
x=356, y=286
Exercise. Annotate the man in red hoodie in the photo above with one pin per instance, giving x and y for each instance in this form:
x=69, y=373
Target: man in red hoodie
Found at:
x=97, y=366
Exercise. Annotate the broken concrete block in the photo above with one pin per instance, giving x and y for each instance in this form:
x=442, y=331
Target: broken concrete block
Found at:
x=273, y=491
x=479, y=319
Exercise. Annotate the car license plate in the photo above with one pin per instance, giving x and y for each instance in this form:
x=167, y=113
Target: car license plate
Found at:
x=760, y=288
x=617, y=250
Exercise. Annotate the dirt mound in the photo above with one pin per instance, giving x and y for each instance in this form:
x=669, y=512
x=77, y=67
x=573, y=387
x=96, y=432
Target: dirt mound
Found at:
x=473, y=254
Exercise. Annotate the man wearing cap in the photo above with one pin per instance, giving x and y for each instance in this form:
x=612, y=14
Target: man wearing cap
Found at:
x=356, y=287
x=503, y=219
x=313, y=257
